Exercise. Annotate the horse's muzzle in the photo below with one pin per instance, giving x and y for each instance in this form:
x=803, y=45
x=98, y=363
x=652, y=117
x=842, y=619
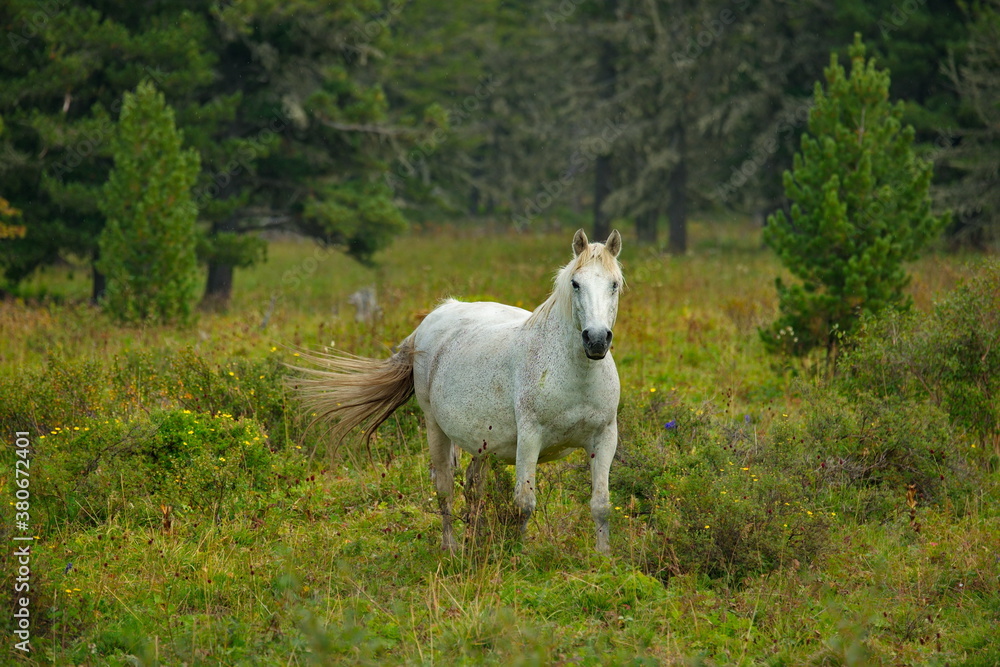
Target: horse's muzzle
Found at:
x=597, y=342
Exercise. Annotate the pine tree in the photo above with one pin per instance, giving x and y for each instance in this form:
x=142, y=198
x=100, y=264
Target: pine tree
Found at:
x=860, y=210
x=148, y=242
x=975, y=158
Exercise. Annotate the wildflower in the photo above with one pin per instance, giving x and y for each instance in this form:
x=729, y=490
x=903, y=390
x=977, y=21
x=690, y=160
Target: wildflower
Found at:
x=652, y=390
x=670, y=424
x=746, y=419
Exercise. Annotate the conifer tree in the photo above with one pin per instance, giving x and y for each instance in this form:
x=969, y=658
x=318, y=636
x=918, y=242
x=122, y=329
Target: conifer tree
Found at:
x=860, y=209
x=149, y=240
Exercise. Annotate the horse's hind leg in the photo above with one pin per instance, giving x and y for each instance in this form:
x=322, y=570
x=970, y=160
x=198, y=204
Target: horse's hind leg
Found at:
x=474, y=493
x=443, y=474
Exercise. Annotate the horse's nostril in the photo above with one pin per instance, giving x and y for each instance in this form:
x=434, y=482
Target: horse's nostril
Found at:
x=591, y=339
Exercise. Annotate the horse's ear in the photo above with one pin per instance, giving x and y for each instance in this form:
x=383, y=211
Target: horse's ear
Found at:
x=580, y=242
x=614, y=243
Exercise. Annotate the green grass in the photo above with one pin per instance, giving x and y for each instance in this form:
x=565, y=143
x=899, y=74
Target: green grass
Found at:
x=744, y=536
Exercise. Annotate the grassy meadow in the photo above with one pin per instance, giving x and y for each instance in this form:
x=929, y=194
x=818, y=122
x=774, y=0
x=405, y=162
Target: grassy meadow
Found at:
x=183, y=514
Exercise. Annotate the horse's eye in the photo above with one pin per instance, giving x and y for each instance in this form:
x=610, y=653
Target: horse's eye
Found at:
x=575, y=284
x=614, y=287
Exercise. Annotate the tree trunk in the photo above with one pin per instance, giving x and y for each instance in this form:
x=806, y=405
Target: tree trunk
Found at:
x=474, y=202
x=219, y=285
x=677, y=210
x=98, y=282
x=645, y=226
x=602, y=166
x=602, y=188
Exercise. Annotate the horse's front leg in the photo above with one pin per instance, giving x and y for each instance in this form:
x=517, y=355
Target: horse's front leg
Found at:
x=529, y=445
x=602, y=451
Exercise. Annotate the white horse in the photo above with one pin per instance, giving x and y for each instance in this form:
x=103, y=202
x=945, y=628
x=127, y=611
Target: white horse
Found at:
x=498, y=380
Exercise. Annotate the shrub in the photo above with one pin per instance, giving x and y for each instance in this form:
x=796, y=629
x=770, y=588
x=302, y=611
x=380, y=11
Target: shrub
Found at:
x=168, y=462
x=62, y=392
x=951, y=358
x=863, y=454
x=718, y=501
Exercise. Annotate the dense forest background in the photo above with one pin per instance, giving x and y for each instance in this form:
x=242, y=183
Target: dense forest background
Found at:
x=346, y=121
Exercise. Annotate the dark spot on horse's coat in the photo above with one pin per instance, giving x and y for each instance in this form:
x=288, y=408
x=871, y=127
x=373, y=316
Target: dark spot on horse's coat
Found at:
x=592, y=455
x=491, y=428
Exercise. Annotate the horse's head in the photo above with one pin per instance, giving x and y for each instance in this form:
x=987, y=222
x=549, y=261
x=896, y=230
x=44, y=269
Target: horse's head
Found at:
x=595, y=279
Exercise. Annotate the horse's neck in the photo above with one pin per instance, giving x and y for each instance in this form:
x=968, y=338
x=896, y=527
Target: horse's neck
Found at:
x=562, y=340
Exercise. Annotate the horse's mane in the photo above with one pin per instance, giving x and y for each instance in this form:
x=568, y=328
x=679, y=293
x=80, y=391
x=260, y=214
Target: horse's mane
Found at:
x=560, y=298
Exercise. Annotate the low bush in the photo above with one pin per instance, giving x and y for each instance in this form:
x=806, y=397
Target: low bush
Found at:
x=152, y=466
x=949, y=358
x=716, y=500
x=867, y=454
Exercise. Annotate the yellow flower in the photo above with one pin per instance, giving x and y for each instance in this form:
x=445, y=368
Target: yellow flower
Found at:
x=706, y=527
x=273, y=349
x=223, y=459
x=652, y=390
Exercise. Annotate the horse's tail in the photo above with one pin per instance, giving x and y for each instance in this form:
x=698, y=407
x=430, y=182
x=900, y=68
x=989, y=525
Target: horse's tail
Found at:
x=358, y=390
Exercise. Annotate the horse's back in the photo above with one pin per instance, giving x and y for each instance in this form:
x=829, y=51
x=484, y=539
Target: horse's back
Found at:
x=463, y=375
